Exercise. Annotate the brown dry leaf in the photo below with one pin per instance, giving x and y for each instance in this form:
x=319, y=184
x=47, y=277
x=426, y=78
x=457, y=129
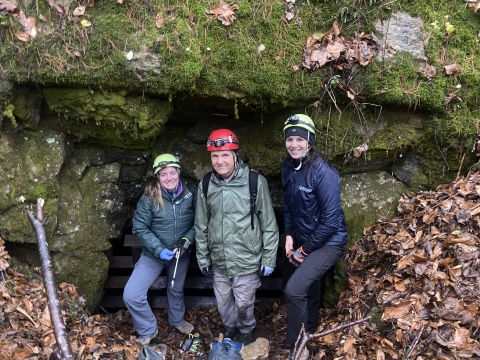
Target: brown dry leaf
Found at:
x=58, y=8
x=22, y=36
x=159, y=20
x=79, y=11
x=430, y=70
x=90, y=3
x=8, y=6
x=334, y=49
x=223, y=12
x=359, y=150
x=319, y=56
x=28, y=24
x=336, y=29
x=451, y=69
x=78, y=54
x=348, y=345
x=398, y=311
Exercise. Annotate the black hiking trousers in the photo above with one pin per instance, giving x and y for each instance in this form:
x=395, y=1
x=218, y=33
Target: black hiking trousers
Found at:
x=303, y=290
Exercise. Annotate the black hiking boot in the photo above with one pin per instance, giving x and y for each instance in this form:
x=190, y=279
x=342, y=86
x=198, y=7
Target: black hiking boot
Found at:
x=245, y=339
x=229, y=333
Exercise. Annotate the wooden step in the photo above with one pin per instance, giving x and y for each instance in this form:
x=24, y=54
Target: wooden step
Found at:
x=191, y=282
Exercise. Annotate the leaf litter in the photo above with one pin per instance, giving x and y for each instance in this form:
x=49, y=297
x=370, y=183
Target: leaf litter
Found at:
x=339, y=51
x=417, y=275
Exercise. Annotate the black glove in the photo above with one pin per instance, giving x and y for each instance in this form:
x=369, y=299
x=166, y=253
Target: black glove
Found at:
x=296, y=257
x=207, y=271
x=183, y=245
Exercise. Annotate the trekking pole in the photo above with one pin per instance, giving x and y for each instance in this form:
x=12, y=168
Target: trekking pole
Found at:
x=177, y=255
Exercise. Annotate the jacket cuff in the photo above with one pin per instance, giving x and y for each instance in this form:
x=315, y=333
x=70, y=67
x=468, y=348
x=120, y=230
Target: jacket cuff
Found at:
x=185, y=238
x=289, y=231
x=306, y=248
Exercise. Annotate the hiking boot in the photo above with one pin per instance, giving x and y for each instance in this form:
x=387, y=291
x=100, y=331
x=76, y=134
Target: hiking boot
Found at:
x=245, y=338
x=186, y=328
x=229, y=334
x=304, y=355
x=144, y=341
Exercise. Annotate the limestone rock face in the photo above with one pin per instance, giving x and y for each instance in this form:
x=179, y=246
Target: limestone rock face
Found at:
x=402, y=32
x=367, y=197
x=30, y=164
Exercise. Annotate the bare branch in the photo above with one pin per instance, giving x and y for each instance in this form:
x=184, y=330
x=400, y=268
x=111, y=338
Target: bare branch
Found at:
x=303, y=337
x=49, y=283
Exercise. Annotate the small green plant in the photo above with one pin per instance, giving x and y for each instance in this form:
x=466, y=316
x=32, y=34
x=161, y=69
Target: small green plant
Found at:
x=3, y=19
x=334, y=81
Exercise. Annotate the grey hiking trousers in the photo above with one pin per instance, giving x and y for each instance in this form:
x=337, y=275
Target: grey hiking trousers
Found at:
x=236, y=300
x=135, y=293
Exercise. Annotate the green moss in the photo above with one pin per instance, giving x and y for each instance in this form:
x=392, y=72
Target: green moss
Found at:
x=8, y=113
x=112, y=118
x=199, y=55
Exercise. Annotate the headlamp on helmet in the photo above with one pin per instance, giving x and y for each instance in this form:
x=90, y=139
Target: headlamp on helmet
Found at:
x=222, y=139
x=301, y=125
x=165, y=160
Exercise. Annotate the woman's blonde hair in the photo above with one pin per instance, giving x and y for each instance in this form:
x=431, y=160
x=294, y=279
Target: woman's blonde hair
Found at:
x=153, y=191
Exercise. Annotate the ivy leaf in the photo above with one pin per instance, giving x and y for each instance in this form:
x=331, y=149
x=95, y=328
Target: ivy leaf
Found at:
x=449, y=28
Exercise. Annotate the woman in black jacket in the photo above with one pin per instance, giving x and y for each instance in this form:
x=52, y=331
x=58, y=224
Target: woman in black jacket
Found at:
x=316, y=234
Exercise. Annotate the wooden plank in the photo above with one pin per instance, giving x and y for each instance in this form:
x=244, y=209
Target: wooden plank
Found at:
x=121, y=262
x=160, y=302
x=191, y=282
x=131, y=241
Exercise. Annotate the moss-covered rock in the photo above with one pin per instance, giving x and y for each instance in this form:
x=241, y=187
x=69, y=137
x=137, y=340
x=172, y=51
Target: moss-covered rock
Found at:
x=30, y=163
x=109, y=118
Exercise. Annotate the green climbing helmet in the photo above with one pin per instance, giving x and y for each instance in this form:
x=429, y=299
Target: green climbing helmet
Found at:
x=301, y=125
x=165, y=160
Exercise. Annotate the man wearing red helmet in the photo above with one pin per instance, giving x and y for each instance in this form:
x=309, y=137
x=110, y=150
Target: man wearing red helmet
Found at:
x=232, y=246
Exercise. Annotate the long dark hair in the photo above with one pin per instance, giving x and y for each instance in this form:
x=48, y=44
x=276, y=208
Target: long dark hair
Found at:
x=153, y=190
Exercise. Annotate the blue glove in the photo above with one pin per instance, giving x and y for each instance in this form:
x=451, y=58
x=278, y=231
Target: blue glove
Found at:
x=266, y=270
x=166, y=254
x=207, y=271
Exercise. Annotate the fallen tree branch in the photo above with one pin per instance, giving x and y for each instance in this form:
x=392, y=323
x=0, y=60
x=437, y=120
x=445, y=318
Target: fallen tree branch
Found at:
x=303, y=337
x=415, y=342
x=49, y=283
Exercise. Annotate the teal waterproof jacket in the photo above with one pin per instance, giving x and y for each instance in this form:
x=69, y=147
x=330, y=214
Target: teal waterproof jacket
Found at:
x=158, y=229
x=225, y=239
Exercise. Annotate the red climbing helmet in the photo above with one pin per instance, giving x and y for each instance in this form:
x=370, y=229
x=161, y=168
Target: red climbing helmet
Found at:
x=222, y=139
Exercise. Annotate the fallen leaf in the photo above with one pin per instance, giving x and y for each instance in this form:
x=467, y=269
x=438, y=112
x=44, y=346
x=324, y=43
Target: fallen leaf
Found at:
x=86, y=23
x=8, y=6
x=58, y=8
x=451, y=69
x=223, y=12
x=22, y=36
x=159, y=20
x=79, y=11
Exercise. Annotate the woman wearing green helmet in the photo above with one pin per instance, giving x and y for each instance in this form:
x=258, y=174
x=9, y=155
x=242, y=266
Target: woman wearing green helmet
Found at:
x=163, y=222
x=316, y=235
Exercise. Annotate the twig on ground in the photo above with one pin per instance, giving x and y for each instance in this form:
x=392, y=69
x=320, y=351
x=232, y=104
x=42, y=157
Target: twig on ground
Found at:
x=415, y=342
x=303, y=337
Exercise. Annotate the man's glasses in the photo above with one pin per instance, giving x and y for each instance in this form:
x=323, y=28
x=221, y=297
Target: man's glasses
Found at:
x=221, y=142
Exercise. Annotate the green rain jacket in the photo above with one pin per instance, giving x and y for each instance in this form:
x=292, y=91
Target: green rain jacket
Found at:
x=158, y=229
x=223, y=231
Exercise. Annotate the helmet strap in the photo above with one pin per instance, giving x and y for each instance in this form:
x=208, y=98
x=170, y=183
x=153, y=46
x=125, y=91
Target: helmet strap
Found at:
x=303, y=157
